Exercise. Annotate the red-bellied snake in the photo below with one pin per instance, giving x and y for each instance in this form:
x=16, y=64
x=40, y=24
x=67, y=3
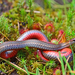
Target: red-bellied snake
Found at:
x=36, y=39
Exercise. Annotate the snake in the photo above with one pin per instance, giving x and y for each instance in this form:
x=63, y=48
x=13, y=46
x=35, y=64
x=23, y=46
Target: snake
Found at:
x=37, y=39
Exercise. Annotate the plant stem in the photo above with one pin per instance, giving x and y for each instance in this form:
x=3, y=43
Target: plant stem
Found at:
x=62, y=64
x=5, y=36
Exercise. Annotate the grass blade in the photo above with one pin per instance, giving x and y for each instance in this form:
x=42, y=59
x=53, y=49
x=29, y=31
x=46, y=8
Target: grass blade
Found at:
x=37, y=71
x=13, y=65
x=73, y=58
x=26, y=70
x=67, y=64
x=62, y=64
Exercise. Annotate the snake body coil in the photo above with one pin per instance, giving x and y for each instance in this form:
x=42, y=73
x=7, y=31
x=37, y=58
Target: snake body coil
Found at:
x=29, y=39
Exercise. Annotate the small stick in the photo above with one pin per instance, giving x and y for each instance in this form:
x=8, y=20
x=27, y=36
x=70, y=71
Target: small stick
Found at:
x=66, y=62
x=59, y=59
x=18, y=59
x=5, y=36
x=14, y=65
x=33, y=11
x=72, y=71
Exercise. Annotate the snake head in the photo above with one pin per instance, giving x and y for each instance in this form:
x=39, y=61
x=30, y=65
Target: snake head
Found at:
x=73, y=39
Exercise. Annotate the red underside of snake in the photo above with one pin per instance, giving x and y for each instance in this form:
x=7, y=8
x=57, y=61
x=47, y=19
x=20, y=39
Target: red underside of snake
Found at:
x=45, y=55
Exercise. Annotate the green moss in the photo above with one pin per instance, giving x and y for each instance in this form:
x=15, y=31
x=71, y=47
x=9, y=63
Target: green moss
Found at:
x=5, y=27
x=63, y=18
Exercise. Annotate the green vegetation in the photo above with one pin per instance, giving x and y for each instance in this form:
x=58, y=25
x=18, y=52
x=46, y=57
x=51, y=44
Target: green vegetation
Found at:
x=24, y=14
x=4, y=25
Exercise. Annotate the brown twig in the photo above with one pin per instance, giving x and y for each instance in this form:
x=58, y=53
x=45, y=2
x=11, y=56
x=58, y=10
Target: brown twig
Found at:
x=33, y=11
x=59, y=60
x=72, y=71
x=10, y=71
x=5, y=36
x=14, y=65
x=66, y=62
x=18, y=59
x=18, y=26
x=42, y=62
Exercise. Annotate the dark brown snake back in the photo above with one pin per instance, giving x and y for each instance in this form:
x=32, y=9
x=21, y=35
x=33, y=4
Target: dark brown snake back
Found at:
x=33, y=43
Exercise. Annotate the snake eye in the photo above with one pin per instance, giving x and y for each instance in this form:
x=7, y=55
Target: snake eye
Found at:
x=74, y=39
